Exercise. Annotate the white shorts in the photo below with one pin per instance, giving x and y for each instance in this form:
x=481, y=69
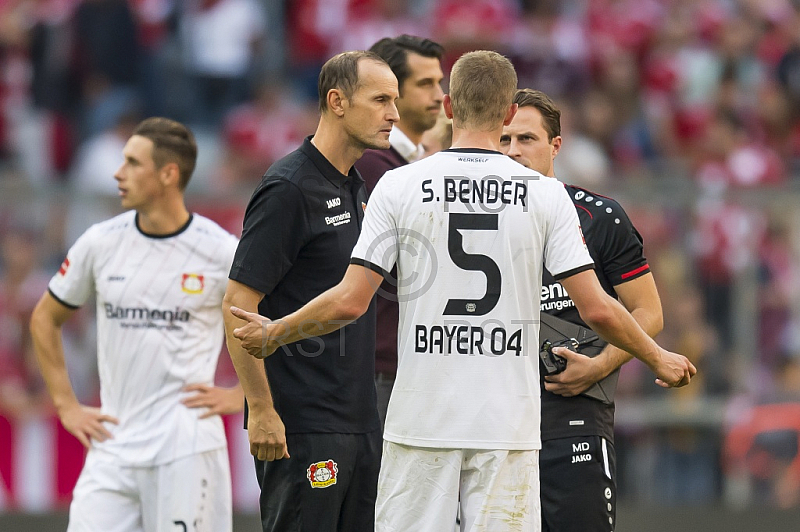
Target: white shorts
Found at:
x=189, y=494
x=418, y=489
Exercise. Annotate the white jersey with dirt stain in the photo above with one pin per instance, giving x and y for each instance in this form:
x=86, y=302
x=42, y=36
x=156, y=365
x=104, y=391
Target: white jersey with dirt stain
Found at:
x=469, y=231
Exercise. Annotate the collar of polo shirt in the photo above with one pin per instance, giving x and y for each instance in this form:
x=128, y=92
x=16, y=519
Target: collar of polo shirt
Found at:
x=407, y=149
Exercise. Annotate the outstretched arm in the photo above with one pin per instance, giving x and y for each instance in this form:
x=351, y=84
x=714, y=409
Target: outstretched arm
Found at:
x=640, y=297
x=609, y=318
x=331, y=310
x=83, y=422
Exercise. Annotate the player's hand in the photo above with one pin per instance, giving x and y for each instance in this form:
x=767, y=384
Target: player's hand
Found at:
x=218, y=401
x=673, y=370
x=86, y=423
x=253, y=335
x=580, y=374
x=267, y=435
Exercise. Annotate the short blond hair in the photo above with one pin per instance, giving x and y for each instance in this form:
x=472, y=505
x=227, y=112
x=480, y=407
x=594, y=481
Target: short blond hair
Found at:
x=482, y=87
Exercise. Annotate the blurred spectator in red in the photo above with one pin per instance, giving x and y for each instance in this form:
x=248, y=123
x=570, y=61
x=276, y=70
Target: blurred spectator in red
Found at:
x=628, y=25
x=762, y=446
x=260, y=132
x=548, y=44
x=45, y=134
x=22, y=391
x=376, y=20
x=464, y=25
x=311, y=27
x=779, y=287
x=724, y=242
x=731, y=156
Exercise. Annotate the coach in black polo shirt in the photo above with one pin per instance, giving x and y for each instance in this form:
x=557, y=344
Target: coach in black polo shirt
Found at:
x=312, y=422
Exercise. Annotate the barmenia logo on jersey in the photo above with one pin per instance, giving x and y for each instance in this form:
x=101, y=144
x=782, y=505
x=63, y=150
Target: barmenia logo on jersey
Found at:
x=323, y=474
x=339, y=219
x=192, y=283
x=146, y=314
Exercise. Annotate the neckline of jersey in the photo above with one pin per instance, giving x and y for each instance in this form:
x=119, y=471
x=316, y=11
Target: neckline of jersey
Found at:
x=168, y=235
x=473, y=150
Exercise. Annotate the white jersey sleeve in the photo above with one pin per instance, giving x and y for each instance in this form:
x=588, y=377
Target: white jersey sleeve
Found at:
x=74, y=282
x=377, y=244
x=565, y=251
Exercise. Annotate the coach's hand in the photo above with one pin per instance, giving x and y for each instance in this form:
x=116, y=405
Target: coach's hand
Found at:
x=254, y=335
x=673, y=370
x=86, y=423
x=267, y=435
x=216, y=400
x=580, y=374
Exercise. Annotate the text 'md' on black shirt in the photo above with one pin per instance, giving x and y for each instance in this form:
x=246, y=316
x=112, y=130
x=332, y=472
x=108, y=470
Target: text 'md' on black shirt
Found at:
x=300, y=226
x=617, y=250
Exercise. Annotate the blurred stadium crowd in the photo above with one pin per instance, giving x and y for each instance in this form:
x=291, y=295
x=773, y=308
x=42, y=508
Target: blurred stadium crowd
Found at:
x=685, y=110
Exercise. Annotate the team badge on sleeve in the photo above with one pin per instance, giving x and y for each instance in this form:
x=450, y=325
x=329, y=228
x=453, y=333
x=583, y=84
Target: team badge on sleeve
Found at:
x=323, y=474
x=192, y=283
x=64, y=267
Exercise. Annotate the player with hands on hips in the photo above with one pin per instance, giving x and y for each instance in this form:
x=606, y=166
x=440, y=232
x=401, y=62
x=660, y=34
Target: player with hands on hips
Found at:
x=157, y=450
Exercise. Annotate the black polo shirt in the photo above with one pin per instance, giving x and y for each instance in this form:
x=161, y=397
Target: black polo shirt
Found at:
x=617, y=250
x=300, y=227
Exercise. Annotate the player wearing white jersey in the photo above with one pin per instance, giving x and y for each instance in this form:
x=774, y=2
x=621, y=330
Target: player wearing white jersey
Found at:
x=468, y=230
x=158, y=274
x=463, y=323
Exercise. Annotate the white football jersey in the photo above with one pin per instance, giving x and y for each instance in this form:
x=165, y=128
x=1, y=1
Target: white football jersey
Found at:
x=159, y=328
x=469, y=231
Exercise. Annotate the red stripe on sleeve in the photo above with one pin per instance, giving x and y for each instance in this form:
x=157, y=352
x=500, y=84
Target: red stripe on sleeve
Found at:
x=637, y=270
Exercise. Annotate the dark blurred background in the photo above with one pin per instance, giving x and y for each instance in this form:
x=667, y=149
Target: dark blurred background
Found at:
x=684, y=110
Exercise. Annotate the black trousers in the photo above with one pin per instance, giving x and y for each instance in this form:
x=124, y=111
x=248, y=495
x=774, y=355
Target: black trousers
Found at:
x=578, y=485
x=328, y=485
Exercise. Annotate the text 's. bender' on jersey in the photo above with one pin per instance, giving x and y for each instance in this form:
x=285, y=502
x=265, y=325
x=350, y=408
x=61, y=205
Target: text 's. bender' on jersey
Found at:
x=469, y=231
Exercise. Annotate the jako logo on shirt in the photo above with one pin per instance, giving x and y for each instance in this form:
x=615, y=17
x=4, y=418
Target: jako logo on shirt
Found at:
x=323, y=474
x=335, y=202
x=192, y=283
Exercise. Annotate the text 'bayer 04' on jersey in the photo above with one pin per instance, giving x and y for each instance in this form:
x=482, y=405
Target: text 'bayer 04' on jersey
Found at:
x=469, y=231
